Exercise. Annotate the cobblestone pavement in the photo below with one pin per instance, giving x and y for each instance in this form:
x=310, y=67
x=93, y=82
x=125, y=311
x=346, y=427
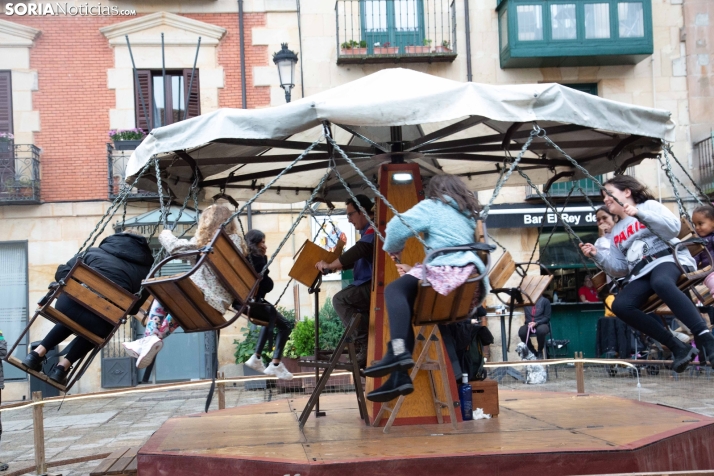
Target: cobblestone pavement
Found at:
x=88, y=427
x=95, y=426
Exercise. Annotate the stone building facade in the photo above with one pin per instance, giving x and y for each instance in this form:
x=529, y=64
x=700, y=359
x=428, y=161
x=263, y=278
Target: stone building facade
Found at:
x=71, y=81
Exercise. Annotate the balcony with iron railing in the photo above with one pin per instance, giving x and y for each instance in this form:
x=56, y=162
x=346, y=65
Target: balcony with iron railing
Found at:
x=116, y=161
x=560, y=190
x=704, y=155
x=395, y=31
x=19, y=174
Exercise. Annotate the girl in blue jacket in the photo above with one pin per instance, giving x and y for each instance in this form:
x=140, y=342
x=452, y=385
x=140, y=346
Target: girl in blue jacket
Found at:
x=445, y=218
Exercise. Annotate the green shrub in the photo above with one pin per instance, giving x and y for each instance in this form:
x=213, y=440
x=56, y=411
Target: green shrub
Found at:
x=246, y=347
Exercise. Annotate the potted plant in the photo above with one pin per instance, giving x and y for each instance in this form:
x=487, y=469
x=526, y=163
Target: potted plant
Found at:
x=385, y=49
x=25, y=187
x=126, y=139
x=444, y=48
x=417, y=50
x=6, y=139
x=353, y=47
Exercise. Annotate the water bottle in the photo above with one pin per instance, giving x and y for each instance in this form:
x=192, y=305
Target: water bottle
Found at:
x=466, y=398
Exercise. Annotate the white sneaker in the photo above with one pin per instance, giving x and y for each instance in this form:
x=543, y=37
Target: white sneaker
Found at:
x=255, y=363
x=279, y=371
x=133, y=348
x=149, y=348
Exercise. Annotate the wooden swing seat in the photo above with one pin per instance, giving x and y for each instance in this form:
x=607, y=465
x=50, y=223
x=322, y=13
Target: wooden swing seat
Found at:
x=95, y=292
x=531, y=288
x=181, y=298
x=430, y=310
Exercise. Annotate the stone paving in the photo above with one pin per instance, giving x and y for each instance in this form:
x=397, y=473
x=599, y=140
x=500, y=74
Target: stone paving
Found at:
x=95, y=426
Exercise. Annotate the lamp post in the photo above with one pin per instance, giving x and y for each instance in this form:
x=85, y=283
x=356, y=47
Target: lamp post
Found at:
x=285, y=60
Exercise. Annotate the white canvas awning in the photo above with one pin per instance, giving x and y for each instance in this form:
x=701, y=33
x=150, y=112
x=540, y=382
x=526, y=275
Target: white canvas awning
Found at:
x=447, y=126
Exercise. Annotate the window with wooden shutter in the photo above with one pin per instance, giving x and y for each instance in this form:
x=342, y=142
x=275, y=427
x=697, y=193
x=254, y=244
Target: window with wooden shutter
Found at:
x=194, y=97
x=5, y=101
x=143, y=100
x=166, y=97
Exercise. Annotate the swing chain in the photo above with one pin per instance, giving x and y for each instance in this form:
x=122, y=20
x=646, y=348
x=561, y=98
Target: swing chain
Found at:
x=185, y=202
x=601, y=187
x=668, y=151
x=667, y=167
x=159, y=185
x=121, y=198
x=490, y=237
x=275, y=179
x=376, y=193
x=295, y=223
x=511, y=166
x=358, y=204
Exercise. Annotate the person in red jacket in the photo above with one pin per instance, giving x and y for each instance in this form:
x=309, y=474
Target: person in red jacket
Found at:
x=587, y=292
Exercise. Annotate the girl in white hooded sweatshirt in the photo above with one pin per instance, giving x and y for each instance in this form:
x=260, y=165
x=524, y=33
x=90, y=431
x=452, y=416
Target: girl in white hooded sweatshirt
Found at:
x=648, y=263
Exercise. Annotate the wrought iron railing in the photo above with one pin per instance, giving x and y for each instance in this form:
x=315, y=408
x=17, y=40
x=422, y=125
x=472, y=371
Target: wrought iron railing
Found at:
x=562, y=189
x=117, y=160
x=374, y=31
x=19, y=174
x=704, y=155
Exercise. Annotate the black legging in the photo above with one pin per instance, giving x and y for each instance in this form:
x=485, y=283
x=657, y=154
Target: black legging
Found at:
x=79, y=347
x=662, y=280
x=400, y=296
x=541, y=331
x=266, y=311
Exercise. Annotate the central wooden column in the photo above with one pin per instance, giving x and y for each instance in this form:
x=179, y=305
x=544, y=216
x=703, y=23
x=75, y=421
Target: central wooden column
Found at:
x=418, y=408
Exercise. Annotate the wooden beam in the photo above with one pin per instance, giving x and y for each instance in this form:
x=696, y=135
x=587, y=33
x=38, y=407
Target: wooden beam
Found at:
x=289, y=144
x=444, y=132
x=363, y=137
x=256, y=159
x=507, y=137
x=38, y=430
x=498, y=158
x=495, y=138
x=264, y=174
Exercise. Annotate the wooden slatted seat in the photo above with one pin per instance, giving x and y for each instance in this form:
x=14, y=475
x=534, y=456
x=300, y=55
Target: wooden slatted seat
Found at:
x=528, y=291
x=120, y=463
x=431, y=309
x=95, y=292
x=184, y=300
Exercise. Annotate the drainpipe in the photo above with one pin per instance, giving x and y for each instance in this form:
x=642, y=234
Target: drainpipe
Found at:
x=302, y=79
x=467, y=24
x=242, y=54
x=243, y=91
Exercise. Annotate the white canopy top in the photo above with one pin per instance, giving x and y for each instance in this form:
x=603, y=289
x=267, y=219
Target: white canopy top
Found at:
x=448, y=126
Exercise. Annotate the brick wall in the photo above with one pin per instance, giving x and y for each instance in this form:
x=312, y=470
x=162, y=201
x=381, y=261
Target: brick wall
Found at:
x=72, y=57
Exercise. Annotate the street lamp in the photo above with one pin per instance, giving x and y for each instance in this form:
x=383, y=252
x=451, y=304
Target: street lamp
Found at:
x=285, y=60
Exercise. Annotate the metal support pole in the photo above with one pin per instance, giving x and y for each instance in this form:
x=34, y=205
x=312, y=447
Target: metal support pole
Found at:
x=579, y=372
x=316, y=291
x=244, y=95
x=163, y=74
x=39, y=433
x=221, y=392
x=190, y=83
x=138, y=86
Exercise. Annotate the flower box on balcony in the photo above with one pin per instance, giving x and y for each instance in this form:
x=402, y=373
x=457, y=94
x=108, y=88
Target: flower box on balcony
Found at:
x=417, y=50
x=126, y=144
x=386, y=50
x=353, y=51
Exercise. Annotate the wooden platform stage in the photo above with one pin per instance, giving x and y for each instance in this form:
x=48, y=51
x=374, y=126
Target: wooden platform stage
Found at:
x=552, y=433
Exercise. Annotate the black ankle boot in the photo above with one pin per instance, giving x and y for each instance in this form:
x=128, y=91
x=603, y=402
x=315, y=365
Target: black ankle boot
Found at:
x=33, y=361
x=682, y=354
x=396, y=385
x=390, y=363
x=59, y=374
x=705, y=344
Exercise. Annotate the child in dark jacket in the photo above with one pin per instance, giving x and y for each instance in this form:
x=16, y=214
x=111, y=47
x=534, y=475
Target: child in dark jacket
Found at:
x=125, y=259
x=703, y=219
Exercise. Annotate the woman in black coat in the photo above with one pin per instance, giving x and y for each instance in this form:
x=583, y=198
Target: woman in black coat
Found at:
x=125, y=259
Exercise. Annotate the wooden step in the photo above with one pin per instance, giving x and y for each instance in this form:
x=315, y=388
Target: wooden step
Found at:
x=122, y=463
